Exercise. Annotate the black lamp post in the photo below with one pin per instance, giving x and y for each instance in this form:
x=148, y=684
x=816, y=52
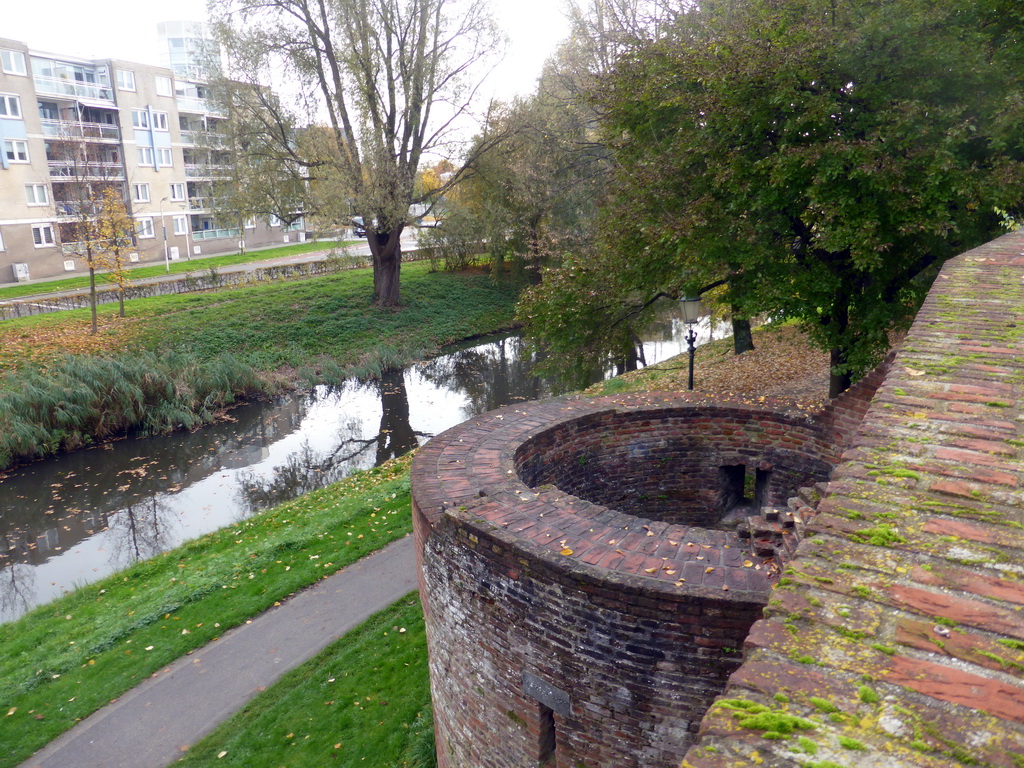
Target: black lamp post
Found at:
x=691, y=314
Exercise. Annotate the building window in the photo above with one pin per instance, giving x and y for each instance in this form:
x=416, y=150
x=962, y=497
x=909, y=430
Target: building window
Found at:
x=125, y=79
x=145, y=155
x=181, y=225
x=140, y=193
x=42, y=235
x=163, y=86
x=10, y=106
x=37, y=194
x=250, y=223
x=160, y=121
x=144, y=227
x=177, y=192
x=163, y=157
x=140, y=119
x=13, y=62
x=16, y=150
x=274, y=221
x=1, y=241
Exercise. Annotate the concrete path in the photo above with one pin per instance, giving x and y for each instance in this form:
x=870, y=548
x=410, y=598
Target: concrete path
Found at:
x=152, y=724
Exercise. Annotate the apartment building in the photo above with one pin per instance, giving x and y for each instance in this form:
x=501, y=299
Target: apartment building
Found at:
x=71, y=126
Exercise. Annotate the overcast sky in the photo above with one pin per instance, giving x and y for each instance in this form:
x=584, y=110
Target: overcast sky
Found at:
x=126, y=29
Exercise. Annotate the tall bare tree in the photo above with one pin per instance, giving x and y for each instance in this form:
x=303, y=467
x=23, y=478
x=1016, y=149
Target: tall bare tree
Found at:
x=393, y=78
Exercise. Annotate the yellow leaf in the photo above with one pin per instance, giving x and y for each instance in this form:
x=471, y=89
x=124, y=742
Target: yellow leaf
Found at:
x=566, y=551
x=915, y=372
x=709, y=569
x=11, y=711
x=748, y=564
x=650, y=570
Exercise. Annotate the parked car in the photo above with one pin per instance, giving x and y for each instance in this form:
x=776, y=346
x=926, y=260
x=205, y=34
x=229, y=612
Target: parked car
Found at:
x=358, y=228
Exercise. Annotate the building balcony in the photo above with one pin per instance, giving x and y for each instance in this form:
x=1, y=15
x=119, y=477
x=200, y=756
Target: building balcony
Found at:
x=214, y=234
x=205, y=171
x=203, y=139
x=78, y=131
x=69, y=170
x=205, y=203
x=196, y=105
x=74, y=89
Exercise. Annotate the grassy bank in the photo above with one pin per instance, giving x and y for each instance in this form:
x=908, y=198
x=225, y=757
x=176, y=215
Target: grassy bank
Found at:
x=68, y=658
x=364, y=701
x=177, y=360
x=80, y=282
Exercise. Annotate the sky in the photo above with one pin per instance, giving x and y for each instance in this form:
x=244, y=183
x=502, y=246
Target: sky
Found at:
x=126, y=29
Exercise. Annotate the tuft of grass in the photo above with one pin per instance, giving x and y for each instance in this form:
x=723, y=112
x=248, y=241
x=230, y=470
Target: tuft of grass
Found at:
x=64, y=660
x=364, y=701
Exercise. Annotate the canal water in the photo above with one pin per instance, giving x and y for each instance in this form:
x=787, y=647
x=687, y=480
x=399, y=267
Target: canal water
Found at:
x=73, y=519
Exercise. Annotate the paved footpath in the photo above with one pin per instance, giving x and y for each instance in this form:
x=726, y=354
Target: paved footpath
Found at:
x=152, y=724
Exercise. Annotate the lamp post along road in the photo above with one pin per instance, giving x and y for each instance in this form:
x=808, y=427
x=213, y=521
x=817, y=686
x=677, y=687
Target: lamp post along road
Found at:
x=691, y=314
x=163, y=226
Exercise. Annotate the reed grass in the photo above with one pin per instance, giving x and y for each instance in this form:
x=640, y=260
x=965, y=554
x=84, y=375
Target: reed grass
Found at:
x=78, y=400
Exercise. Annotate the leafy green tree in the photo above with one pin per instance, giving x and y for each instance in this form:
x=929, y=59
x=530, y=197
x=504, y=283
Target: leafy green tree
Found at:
x=822, y=156
x=391, y=77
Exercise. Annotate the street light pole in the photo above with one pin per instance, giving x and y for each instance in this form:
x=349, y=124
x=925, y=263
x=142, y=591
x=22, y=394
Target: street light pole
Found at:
x=163, y=226
x=691, y=314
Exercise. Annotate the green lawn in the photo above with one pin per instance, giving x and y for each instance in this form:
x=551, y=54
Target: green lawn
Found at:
x=68, y=658
x=364, y=701
x=177, y=267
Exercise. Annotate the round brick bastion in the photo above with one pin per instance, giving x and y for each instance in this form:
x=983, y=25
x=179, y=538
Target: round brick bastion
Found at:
x=588, y=573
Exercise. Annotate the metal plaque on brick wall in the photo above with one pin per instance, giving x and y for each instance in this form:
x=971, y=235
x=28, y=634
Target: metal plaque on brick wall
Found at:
x=553, y=698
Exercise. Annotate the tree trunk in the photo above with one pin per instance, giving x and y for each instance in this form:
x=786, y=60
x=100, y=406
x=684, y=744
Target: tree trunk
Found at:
x=120, y=301
x=840, y=323
x=92, y=294
x=742, y=337
x=386, y=250
x=838, y=382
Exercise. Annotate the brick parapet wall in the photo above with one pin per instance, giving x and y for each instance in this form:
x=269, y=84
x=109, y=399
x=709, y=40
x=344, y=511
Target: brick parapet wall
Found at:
x=635, y=621
x=896, y=635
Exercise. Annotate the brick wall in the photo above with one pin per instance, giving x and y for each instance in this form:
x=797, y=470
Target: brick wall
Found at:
x=896, y=635
x=564, y=619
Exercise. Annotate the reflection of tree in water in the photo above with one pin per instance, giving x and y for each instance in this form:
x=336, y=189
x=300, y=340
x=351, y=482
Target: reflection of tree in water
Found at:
x=17, y=587
x=139, y=531
x=490, y=375
x=307, y=470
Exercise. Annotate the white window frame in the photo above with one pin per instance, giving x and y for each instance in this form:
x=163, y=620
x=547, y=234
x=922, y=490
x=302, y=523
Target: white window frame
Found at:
x=2, y=241
x=37, y=194
x=144, y=228
x=11, y=148
x=10, y=106
x=164, y=86
x=140, y=119
x=145, y=156
x=140, y=193
x=180, y=225
x=160, y=121
x=164, y=157
x=250, y=223
x=125, y=79
x=13, y=62
x=274, y=220
x=42, y=235
x=177, y=192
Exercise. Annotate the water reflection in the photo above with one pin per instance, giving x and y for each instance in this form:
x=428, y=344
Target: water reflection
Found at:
x=70, y=520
